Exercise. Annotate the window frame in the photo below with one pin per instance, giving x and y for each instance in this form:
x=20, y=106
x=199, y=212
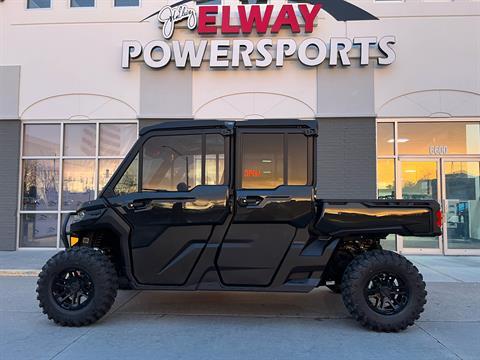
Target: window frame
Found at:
x=311, y=155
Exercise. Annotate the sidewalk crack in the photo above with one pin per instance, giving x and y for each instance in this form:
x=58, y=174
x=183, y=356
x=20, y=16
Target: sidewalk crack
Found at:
x=438, y=341
x=72, y=343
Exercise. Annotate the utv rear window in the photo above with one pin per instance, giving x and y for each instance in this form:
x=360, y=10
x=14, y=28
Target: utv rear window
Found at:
x=271, y=160
x=181, y=162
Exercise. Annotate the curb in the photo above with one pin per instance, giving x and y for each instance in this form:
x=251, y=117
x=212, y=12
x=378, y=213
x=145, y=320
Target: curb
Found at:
x=19, y=272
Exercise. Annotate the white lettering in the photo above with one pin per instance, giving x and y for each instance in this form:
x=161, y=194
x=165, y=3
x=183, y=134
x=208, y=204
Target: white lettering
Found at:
x=154, y=46
x=262, y=50
x=245, y=53
x=321, y=52
x=189, y=52
x=285, y=48
x=364, y=43
x=387, y=50
x=130, y=50
x=345, y=46
x=217, y=50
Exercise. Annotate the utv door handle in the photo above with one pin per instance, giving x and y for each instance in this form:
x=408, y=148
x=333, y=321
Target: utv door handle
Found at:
x=250, y=200
x=138, y=204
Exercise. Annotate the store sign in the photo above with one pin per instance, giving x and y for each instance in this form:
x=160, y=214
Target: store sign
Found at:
x=223, y=53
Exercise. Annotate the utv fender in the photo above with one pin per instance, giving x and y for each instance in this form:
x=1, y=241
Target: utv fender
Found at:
x=113, y=222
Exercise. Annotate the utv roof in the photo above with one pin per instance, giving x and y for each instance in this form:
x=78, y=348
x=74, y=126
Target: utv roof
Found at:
x=228, y=124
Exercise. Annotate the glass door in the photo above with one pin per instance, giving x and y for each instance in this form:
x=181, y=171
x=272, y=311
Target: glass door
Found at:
x=461, y=207
x=419, y=180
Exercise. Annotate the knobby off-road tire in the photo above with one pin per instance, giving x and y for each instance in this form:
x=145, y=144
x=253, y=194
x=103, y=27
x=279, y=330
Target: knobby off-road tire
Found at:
x=77, y=268
x=381, y=274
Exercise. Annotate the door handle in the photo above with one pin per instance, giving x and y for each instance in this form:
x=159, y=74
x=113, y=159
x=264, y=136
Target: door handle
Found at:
x=249, y=200
x=138, y=204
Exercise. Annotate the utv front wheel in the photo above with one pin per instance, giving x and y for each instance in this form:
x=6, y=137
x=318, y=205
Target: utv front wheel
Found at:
x=77, y=286
x=383, y=291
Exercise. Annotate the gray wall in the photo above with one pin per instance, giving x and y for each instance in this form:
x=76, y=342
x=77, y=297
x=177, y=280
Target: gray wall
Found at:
x=165, y=93
x=9, y=89
x=9, y=162
x=346, y=158
x=345, y=91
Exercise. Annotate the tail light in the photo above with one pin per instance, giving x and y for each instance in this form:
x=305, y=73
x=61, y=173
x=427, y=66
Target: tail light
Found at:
x=439, y=218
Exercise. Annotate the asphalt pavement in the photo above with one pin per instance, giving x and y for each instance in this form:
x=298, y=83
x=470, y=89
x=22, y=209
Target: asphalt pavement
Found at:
x=240, y=325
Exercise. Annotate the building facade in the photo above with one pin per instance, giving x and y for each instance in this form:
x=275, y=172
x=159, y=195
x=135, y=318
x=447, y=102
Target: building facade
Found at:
x=397, y=98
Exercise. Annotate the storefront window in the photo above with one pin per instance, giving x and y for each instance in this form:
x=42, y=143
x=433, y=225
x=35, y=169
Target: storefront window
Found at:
x=79, y=140
x=386, y=179
x=117, y=139
x=38, y=230
x=40, y=184
x=106, y=168
x=385, y=139
x=78, y=178
x=439, y=138
x=80, y=167
x=41, y=140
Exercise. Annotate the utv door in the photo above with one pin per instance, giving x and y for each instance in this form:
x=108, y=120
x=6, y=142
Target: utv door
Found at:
x=182, y=193
x=273, y=197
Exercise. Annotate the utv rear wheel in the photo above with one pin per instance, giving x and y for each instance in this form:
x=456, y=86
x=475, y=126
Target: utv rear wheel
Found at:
x=383, y=291
x=77, y=286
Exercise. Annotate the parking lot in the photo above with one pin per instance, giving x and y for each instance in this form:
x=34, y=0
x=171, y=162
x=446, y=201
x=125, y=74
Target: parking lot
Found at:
x=215, y=325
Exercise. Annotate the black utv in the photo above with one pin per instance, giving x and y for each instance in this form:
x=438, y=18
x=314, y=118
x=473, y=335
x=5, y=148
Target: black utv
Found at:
x=222, y=205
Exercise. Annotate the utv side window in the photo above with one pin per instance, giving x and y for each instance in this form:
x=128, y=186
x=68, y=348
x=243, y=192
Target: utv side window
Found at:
x=271, y=160
x=214, y=159
x=128, y=183
x=262, y=161
x=179, y=162
x=297, y=159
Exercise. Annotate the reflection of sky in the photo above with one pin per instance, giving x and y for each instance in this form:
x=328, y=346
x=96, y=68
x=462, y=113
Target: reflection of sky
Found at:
x=460, y=137
x=41, y=140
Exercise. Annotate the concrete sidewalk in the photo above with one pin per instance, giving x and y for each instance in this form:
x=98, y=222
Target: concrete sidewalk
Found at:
x=240, y=325
x=434, y=268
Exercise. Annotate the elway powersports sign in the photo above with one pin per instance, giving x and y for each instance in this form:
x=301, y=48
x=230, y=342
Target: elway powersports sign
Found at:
x=209, y=20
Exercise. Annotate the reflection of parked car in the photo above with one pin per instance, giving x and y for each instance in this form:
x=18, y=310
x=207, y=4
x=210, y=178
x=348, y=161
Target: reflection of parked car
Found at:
x=253, y=224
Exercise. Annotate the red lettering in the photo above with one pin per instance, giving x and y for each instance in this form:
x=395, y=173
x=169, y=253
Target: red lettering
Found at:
x=226, y=27
x=206, y=19
x=251, y=173
x=309, y=16
x=286, y=17
x=255, y=17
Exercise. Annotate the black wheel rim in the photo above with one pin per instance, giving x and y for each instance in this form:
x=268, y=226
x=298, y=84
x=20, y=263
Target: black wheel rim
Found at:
x=73, y=289
x=387, y=293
